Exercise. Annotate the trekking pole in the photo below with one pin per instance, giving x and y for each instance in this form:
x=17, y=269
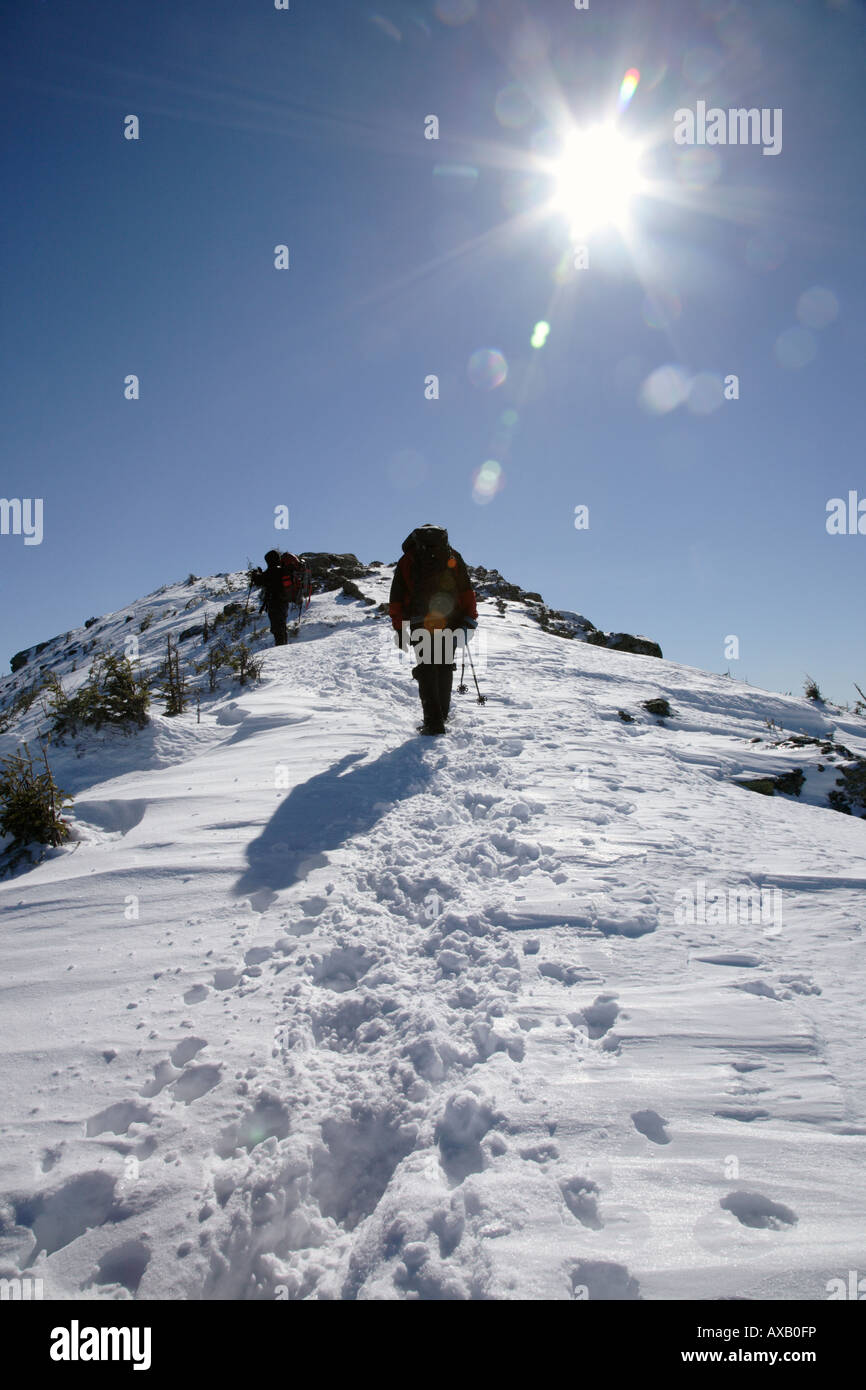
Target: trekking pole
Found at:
x=461, y=689
x=482, y=699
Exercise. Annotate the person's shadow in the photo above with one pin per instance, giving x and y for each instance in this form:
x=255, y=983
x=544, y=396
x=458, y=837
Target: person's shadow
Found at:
x=324, y=813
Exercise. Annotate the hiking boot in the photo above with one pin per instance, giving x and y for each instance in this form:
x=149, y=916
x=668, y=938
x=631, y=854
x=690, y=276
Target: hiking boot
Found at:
x=432, y=727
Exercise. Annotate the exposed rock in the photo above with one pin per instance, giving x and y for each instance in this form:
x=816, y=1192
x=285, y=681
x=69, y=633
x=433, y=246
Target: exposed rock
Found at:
x=625, y=642
x=764, y=785
x=852, y=798
x=21, y=658
x=330, y=571
x=791, y=783
x=351, y=590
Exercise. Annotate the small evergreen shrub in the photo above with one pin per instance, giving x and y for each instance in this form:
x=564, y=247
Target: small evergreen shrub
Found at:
x=173, y=688
x=240, y=659
x=112, y=694
x=31, y=803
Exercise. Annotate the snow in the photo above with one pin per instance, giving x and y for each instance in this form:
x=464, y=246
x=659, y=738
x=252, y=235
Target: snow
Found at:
x=312, y=1007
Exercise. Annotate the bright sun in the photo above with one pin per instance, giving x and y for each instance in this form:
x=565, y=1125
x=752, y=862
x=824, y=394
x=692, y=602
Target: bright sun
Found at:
x=596, y=179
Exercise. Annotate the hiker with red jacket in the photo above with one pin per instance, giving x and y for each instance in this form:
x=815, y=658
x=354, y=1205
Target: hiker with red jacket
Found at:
x=432, y=593
x=282, y=585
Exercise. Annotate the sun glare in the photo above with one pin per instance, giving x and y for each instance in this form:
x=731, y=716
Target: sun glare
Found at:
x=597, y=177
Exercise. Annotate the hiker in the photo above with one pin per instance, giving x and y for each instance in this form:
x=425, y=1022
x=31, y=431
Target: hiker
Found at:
x=431, y=592
x=284, y=583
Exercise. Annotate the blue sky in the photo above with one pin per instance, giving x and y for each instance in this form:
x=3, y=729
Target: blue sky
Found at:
x=305, y=387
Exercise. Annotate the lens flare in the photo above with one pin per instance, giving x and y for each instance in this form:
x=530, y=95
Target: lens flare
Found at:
x=487, y=369
x=488, y=480
x=539, y=334
x=456, y=176
x=664, y=389
x=627, y=88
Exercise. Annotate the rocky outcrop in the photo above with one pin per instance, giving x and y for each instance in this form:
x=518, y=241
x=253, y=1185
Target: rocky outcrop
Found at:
x=625, y=642
x=332, y=571
x=490, y=584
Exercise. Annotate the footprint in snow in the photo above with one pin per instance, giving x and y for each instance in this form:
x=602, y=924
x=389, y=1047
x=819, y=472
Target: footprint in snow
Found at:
x=185, y=1050
x=123, y=1265
x=601, y=1015
x=116, y=1119
x=163, y=1074
x=58, y=1218
x=753, y=1209
x=602, y=1281
x=581, y=1195
x=651, y=1125
x=196, y=1082
x=257, y=955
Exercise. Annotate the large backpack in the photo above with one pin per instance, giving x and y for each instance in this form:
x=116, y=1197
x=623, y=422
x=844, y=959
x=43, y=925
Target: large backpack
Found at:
x=297, y=580
x=428, y=548
x=428, y=565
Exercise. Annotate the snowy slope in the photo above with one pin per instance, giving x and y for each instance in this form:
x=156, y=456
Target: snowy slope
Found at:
x=313, y=1007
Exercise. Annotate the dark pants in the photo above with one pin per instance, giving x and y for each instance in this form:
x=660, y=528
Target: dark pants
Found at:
x=434, y=676
x=279, y=624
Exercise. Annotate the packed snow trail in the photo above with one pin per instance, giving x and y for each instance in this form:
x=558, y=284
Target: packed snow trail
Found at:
x=409, y=1018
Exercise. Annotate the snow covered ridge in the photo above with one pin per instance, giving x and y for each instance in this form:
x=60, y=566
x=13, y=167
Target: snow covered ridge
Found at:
x=330, y=571
x=549, y=1008
x=490, y=584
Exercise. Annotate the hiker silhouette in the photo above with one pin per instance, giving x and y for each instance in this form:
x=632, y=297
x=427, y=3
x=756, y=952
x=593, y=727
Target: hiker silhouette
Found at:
x=285, y=584
x=324, y=813
x=433, y=600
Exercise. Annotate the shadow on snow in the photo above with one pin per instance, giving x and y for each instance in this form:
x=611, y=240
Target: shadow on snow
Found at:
x=326, y=812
